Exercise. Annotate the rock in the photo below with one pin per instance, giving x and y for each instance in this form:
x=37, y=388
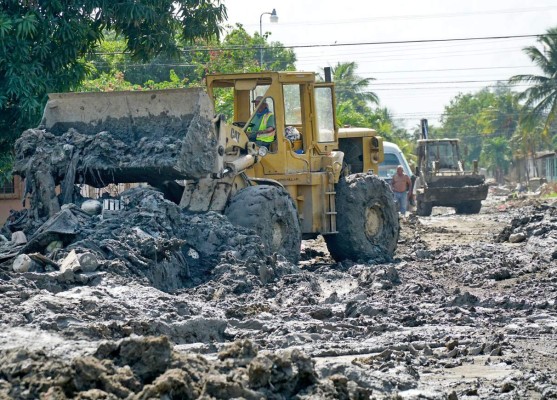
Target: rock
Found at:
x=321, y=313
x=84, y=262
x=423, y=254
x=496, y=351
x=22, y=263
x=19, y=237
x=517, y=237
x=92, y=207
x=451, y=344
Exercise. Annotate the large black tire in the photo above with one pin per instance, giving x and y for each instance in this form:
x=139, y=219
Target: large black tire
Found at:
x=423, y=208
x=271, y=213
x=469, y=207
x=367, y=220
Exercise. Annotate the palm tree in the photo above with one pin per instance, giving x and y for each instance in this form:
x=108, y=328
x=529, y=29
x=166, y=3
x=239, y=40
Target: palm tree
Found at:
x=351, y=87
x=541, y=96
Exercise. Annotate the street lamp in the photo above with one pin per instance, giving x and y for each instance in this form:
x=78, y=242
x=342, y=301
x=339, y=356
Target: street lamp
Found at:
x=274, y=19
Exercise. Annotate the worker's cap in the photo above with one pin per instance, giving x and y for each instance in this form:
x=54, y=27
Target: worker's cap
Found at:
x=257, y=99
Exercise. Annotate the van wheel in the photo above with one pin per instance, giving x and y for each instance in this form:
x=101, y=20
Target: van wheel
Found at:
x=367, y=220
x=271, y=213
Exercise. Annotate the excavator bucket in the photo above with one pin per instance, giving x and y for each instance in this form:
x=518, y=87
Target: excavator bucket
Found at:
x=138, y=136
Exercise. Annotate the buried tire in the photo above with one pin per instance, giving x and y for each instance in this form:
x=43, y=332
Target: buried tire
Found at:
x=271, y=213
x=367, y=220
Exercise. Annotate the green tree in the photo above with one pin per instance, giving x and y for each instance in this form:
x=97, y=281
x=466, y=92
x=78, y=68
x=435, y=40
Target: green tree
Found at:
x=351, y=87
x=355, y=102
x=238, y=52
x=541, y=97
x=43, y=44
x=472, y=117
x=496, y=156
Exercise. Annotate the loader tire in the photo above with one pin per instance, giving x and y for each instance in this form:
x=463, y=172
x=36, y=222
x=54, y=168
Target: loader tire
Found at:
x=367, y=220
x=423, y=208
x=270, y=212
x=469, y=207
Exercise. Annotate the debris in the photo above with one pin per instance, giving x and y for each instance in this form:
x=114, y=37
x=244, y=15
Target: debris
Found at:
x=19, y=237
x=22, y=263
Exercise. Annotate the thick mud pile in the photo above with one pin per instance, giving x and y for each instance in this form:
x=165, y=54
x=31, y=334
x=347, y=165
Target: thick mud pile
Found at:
x=188, y=306
x=164, y=149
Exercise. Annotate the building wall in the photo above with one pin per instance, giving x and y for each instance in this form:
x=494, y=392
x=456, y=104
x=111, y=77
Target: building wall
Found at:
x=551, y=168
x=10, y=198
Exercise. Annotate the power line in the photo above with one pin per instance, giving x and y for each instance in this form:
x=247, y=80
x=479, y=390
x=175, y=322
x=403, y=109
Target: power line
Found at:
x=227, y=48
x=465, y=39
x=374, y=83
x=446, y=69
x=441, y=88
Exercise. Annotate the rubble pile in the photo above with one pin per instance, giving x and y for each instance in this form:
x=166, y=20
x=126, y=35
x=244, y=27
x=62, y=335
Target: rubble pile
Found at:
x=152, y=302
x=150, y=238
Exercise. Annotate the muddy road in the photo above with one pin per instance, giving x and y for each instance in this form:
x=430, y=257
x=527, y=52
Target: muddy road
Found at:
x=466, y=310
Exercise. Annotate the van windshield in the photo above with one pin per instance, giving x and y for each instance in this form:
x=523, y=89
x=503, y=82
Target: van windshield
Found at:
x=388, y=167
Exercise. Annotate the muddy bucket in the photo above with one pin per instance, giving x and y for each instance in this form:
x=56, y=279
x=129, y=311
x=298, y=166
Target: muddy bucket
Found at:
x=136, y=136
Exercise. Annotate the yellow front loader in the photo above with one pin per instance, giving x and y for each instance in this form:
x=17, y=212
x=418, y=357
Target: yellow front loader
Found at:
x=323, y=181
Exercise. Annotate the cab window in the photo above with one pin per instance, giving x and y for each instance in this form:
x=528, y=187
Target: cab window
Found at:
x=325, y=115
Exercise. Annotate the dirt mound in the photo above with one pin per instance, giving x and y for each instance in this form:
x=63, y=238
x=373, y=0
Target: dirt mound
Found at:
x=145, y=368
x=150, y=238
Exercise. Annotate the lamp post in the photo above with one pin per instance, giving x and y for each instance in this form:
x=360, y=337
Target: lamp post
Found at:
x=274, y=19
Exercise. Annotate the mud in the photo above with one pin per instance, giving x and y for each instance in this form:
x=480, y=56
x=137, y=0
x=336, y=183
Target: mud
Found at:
x=184, y=305
x=164, y=149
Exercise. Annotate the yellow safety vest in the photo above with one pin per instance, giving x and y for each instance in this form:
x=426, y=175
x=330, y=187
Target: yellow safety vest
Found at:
x=266, y=137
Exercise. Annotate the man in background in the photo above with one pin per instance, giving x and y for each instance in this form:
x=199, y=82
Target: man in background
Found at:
x=401, y=185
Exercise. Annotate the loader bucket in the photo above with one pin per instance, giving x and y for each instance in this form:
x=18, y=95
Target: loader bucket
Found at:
x=137, y=136
x=135, y=113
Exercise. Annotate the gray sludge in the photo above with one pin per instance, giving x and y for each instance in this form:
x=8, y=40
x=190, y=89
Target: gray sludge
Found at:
x=153, y=302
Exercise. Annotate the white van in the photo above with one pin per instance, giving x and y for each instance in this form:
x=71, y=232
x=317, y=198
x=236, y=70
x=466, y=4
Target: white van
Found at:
x=393, y=158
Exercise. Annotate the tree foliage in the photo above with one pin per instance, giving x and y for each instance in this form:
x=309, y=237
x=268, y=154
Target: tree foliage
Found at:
x=472, y=117
x=237, y=52
x=358, y=106
x=541, y=97
x=496, y=156
x=350, y=87
x=43, y=44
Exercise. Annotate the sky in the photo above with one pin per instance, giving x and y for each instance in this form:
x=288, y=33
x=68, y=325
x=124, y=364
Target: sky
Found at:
x=413, y=80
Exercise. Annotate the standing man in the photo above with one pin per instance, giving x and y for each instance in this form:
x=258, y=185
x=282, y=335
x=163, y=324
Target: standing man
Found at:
x=401, y=184
x=263, y=129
